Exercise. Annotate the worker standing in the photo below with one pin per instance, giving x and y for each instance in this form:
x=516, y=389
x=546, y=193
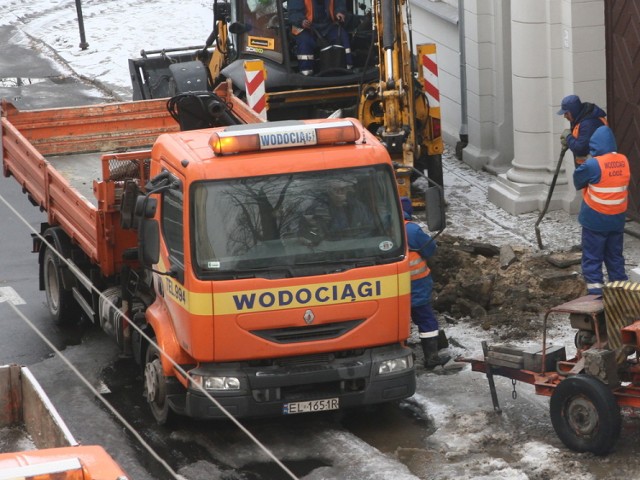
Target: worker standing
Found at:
x=312, y=18
x=421, y=248
x=584, y=119
x=605, y=179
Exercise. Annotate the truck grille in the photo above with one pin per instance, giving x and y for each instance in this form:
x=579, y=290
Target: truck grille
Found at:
x=307, y=333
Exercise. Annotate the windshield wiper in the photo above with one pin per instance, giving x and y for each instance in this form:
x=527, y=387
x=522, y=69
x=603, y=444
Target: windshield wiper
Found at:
x=342, y=265
x=279, y=271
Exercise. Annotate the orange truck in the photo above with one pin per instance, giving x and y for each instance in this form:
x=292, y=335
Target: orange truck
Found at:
x=35, y=443
x=268, y=261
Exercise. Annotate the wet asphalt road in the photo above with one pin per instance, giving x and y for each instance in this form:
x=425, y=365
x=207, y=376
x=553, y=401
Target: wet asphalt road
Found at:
x=31, y=81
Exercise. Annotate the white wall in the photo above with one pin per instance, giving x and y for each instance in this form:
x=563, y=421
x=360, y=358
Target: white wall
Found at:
x=433, y=23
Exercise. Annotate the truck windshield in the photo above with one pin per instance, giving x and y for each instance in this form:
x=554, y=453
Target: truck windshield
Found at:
x=296, y=224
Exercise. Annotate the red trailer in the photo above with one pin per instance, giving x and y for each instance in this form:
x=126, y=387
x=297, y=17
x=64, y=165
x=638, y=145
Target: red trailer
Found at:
x=587, y=390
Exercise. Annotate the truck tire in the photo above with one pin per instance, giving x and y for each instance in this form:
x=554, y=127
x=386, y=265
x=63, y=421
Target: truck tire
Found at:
x=585, y=415
x=62, y=306
x=155, y=386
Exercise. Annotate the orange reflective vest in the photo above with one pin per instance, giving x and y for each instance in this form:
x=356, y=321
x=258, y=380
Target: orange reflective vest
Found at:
x=610, y=194
x=576, y=131
x=308, y=7
x=417, y=264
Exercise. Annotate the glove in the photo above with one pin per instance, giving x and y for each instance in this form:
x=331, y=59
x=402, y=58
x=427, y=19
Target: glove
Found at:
x=563, y=138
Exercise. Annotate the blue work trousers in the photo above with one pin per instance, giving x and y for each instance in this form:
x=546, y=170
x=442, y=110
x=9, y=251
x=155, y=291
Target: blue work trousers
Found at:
x=425, y=318
x=599, y=248
x=306, y=45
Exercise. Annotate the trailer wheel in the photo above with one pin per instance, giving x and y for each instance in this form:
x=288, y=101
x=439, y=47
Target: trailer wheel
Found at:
x=585, y=415
x=62, y=306
x=155, y=386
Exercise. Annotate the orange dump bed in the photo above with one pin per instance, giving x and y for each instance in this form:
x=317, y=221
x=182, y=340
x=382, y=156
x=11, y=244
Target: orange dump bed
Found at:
x=72, y=161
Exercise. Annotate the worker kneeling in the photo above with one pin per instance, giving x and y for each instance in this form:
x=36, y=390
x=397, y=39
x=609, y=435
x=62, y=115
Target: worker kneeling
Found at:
x=421, y=248
x=315, y=21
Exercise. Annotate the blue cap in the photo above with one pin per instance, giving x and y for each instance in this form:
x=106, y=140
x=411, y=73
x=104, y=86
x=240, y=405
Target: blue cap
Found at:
x=571, y=104
x=407, y=207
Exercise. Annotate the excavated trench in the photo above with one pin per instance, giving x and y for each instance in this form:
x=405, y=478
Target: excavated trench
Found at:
x=504, y=289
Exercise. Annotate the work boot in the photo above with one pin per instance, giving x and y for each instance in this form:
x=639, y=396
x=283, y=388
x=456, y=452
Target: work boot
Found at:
x=431, y=357
x=443, y=341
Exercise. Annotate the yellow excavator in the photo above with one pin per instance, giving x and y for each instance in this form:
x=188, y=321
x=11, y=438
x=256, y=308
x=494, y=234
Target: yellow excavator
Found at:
x=385, y=89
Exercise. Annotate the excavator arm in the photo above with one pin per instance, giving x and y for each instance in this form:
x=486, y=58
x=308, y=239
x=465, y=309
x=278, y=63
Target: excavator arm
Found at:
x=394, y=106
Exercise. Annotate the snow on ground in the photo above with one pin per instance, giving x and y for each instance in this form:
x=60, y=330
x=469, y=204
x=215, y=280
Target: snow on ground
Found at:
x=114, y=30
x=469, y=440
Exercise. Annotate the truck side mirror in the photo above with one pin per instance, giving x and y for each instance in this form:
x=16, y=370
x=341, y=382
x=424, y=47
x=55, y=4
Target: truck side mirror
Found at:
x=148, y=230
x=145, y=207
x=434, y=201
x=148, y=242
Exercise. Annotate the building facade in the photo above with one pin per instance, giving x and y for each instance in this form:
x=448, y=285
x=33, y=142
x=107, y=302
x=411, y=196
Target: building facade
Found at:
x=500, y=92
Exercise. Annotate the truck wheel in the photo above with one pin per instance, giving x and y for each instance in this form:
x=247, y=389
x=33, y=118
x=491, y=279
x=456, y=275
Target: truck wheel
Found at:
x=155, y=386
x=62, y=306
x=585, y=415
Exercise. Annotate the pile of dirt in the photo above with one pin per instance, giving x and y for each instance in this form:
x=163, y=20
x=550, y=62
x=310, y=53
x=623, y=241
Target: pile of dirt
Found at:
x=506, y=289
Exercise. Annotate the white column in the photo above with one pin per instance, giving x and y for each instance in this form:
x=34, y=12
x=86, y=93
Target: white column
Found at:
x=558, y=49
x=524, y=187
x=580, y=67
x=488, y=58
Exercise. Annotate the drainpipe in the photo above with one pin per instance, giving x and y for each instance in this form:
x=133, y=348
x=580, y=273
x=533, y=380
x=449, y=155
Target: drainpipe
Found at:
x=464, y=131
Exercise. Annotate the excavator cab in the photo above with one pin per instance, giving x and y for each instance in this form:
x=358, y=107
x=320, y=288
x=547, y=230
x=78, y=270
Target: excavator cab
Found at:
x=260, y=30
x=386, y=88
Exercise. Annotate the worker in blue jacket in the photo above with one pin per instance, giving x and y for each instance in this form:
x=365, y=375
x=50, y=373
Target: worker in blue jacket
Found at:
x=313, y=18
x=584, y=119
x=421, y=248
x=605, y=180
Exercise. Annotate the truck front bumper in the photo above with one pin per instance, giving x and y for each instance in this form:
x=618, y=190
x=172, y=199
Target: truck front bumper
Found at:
x=353, y=378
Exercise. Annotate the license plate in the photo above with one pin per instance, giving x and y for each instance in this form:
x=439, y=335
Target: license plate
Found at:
x=311, y=406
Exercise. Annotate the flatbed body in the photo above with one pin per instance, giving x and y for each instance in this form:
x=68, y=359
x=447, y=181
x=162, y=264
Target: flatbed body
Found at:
x=71, y=163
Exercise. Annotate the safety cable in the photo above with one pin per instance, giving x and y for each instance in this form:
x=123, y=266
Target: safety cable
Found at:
x=93, y=390
x=178, y=368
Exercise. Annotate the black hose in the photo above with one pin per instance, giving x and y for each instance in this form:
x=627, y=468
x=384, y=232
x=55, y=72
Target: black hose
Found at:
x=551, y=187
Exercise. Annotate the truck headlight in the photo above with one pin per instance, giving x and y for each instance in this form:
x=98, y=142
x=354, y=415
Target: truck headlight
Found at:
x=217, y=383
x=395, y=365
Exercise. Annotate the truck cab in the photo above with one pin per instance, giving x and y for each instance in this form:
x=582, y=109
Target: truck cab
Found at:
x=281, y=273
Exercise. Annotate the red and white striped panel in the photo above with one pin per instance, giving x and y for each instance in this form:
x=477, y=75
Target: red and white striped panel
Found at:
x=429, y=64
x=255, y=87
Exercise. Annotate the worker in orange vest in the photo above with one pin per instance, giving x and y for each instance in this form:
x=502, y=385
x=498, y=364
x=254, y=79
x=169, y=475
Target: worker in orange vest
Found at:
x=584, y=119
x=605, y=179
x=421, y=248
x=314, y=20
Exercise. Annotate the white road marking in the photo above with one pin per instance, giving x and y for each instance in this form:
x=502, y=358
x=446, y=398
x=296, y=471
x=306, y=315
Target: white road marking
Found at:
x=8, y=294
